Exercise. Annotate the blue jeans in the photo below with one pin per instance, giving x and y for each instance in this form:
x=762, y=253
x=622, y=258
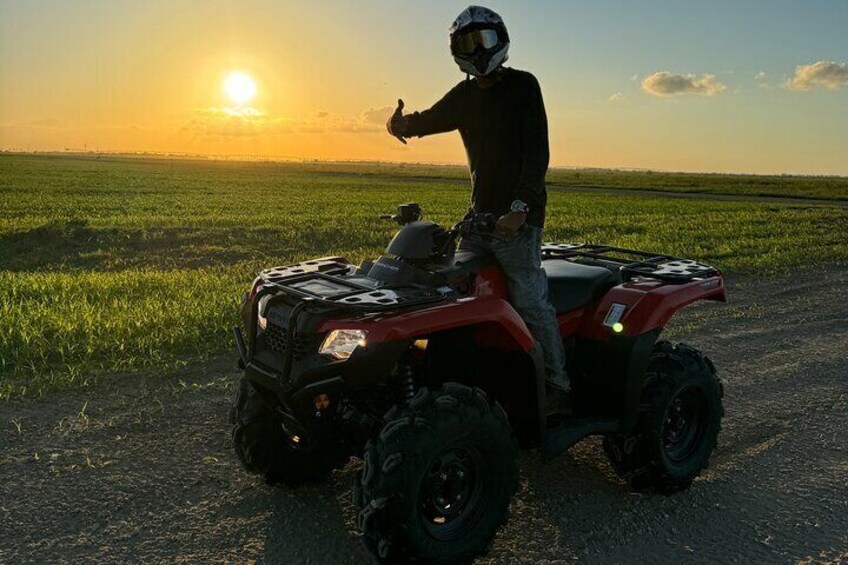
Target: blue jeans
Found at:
x=520, y=258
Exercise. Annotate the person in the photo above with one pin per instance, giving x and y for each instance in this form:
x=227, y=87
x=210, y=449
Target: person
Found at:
x=501, y=117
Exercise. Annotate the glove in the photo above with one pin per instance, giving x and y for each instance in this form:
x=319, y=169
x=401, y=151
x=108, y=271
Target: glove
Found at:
x=398, y=123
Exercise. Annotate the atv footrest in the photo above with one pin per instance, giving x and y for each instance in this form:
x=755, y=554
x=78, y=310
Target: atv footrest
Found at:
x=561, y=437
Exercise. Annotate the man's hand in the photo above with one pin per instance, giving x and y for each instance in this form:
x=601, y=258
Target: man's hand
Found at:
x=510, y=223
x=398, y=123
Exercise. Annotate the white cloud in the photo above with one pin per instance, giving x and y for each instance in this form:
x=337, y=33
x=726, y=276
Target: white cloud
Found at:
x=663, y=83
x=826, y=74
x=617, y=97
x=634, y=78
x=762, y=80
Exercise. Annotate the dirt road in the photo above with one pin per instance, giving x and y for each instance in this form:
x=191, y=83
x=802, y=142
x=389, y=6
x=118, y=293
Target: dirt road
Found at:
x=759, y=198
x=140, y=470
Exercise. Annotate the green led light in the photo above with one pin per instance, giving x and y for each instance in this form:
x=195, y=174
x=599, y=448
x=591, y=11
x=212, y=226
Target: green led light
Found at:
x=618, y=327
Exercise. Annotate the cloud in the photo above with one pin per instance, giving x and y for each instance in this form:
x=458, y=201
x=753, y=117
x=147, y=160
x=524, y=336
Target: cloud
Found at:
x=617, y=97
x=664, y=84
x=377, y=115
x=47, y=123
x=826, y=74
x=233, y=122
x=239, y=112
x=223, y=123
x=762, y=80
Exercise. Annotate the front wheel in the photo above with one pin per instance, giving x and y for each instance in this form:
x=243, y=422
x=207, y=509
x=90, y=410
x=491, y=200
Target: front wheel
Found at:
x=265, y=450
x=678, y=423
x=437, y=481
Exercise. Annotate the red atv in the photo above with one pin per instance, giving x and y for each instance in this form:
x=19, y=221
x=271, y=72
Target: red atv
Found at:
x=417, y=363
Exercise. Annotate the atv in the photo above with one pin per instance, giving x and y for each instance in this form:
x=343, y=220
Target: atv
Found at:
x=418, y=364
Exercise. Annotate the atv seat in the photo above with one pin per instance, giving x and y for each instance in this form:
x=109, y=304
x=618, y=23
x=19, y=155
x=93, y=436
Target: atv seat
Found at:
x=572, y=285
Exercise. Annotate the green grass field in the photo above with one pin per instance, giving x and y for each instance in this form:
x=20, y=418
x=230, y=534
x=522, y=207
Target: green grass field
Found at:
x=805, y=187
x=120, y=264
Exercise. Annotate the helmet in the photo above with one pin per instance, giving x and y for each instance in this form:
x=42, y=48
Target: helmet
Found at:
x=479, y=41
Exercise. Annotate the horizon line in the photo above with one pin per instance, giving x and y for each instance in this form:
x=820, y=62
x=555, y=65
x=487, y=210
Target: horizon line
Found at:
x=236, y=158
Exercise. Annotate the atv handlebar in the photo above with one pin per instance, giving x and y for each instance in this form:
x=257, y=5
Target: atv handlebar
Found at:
x=475, y=224
x=480, y=225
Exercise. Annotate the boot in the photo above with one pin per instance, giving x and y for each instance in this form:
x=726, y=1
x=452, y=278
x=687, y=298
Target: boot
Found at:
x=557, y=402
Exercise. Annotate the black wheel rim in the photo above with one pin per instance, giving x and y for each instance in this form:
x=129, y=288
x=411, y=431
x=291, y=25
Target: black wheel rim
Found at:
x=451, y=496
x=684, y=424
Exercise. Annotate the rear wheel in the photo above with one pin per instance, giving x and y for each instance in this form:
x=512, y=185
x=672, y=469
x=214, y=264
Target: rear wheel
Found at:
x=265, y=450
x=678, y=422
x=437, y=481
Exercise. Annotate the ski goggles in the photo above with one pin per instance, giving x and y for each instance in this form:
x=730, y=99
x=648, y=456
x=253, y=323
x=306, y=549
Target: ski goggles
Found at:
x=468, y=42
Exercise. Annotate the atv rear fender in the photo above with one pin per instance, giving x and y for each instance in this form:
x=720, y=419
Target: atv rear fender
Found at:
x=615, y=340
x=643, y=305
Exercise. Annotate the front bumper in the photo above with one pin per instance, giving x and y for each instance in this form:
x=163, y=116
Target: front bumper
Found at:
x=294, y=393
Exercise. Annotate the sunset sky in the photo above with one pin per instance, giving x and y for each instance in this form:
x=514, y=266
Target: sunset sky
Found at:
x=754, y=86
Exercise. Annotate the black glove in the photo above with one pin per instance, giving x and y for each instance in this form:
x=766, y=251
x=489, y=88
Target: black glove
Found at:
x=398, y=123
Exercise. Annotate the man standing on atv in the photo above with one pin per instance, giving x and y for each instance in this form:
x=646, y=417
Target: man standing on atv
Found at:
x=501, y=118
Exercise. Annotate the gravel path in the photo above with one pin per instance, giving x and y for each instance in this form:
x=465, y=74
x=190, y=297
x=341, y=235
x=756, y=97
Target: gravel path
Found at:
x=146, y=474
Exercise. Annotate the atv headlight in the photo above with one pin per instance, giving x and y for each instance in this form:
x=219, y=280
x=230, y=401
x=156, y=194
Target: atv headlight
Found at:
x=340, y=344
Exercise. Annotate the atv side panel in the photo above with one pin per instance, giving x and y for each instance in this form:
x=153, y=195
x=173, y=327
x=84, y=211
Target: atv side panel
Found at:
x=607, y=375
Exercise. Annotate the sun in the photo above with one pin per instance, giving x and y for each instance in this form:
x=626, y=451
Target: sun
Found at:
x=240, y=87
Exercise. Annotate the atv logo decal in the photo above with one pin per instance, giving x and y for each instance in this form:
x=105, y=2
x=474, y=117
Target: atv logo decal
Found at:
x=615, y=313
x=390, y=267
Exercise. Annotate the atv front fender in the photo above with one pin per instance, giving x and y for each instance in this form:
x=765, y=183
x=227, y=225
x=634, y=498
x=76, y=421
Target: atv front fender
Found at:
x=463, y=312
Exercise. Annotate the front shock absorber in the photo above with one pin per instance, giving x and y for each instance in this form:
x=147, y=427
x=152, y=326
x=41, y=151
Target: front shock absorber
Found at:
x=408, y=386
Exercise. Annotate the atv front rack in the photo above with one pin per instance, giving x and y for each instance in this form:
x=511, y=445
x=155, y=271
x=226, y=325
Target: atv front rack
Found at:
x=327, y=282
x=632, y=263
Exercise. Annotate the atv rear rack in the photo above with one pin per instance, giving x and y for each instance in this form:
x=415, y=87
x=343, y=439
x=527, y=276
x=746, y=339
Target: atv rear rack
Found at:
x=632, y=263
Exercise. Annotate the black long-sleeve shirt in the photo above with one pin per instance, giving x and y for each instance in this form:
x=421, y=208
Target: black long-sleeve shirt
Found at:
x=505, y=132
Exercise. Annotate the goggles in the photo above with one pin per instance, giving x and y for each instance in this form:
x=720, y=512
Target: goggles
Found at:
x=467, y=43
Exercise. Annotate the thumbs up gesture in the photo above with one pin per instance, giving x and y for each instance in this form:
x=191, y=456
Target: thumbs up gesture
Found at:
x=398, y=123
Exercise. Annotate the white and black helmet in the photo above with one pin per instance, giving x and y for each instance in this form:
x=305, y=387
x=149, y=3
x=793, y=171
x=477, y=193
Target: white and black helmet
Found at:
x=479, y=41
